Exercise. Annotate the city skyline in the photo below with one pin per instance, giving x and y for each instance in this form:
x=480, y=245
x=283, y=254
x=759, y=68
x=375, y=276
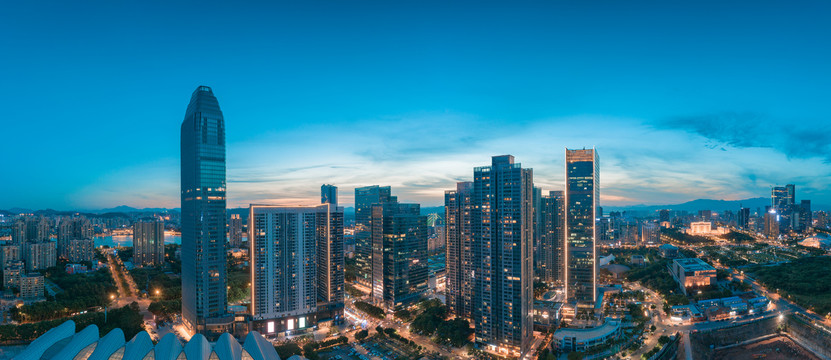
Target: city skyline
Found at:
x=679, y=114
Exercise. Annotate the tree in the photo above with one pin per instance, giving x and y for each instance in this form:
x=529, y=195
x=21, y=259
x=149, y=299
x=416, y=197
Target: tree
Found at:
x=287, y=350
x=403, y=314
x=360, y=335
x=663, y=340
x=575, y=355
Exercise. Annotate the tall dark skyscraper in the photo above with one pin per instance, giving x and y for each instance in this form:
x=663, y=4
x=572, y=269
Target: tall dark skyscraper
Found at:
x=235, y=231
x=806, y=218
x=458, y=207
x=744, y=218
x=329, y=194
x=399, y=254
x=582, y=199
x=204, y=296
x=502, y=227
x=365, y=197
x=550, y=252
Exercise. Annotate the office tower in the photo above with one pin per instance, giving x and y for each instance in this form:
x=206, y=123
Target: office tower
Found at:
x=582, y=200
x=364, y=198
x=204, y=296
x=705, y=215
x=771, y=222
x=81, y=250
x=458, y=209
x=31, y=286
x=663, y=216
x=806, y=220
x=502, y=235
x=297, y=266
x=40, y=255
x=649, y=233
x=744, y=218
x=552, y=235
x=783, y=196
x=148, y=243
x=329, y=194
x=399, y=254
x=822, y=220
x=72, y=228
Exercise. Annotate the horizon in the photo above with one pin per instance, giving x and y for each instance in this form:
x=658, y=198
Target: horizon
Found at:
x=316, y=94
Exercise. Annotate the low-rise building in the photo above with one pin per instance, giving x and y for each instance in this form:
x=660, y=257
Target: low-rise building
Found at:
x=668, y=251
x=31, y=286
x=569, y=339
x=638, y=260
x=546, y=314
x=693, y=273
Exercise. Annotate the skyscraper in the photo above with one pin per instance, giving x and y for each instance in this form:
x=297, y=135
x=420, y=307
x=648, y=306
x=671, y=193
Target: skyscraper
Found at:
x=772, y=219
x=148, y=243
x=806, y=220
x=783, y=196
x=78, y=228
x=744, y=218
x=582, y=200
x=364, y=198
x=458, y=207
x=204, y=296
x=297, y=266
x=399, y=254
x=329, y=194
x=235, y=231
x=551, y=237
x=502, y=228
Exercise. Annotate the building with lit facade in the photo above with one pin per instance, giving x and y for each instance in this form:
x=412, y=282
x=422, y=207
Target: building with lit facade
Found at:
x=71, y=228
x=40, y=255
x=365, y=197
x=582, y=198
x=550, y=251
x=771, y=228
x=458, y=205
x=204, y=293
x=297, y=266
x=502, y=242
x=81, y=250
x=235, y=231
x=572, y=339
x=692, y=273
x=148, y=243
x=399, y=254
x=31, y=286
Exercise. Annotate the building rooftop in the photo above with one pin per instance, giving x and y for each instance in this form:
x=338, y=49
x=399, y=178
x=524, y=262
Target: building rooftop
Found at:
x=693, y=264
x=588, y=333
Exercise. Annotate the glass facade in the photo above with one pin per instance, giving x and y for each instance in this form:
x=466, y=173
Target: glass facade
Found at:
x=582, y=199
x=204, y=295
x=399, y=254
x=365, y=197
x=502, y=242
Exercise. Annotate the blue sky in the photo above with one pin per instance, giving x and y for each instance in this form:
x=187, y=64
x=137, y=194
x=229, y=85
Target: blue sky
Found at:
x=703, y=100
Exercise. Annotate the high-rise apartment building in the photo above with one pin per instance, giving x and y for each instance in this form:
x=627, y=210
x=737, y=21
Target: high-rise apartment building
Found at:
x=235, y=231
x=38, y=229
x=204, y=296
x=399, y=254
x=71, y=228
x=40, y=255
x=502, y=236
x=552, y=237
x=458, y=207
x=148, y=243
x=329, y=194
x=582, y=197
x=19, y=232
x=365, y=197
x=81, y=250
x=297, y=266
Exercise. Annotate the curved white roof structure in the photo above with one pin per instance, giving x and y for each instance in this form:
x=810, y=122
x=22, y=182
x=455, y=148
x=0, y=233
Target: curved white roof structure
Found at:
x=36, y=349
x=62, y=343
x=259, y=348
x=108, y=344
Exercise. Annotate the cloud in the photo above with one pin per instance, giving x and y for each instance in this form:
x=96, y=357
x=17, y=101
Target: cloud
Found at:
x=796, y=138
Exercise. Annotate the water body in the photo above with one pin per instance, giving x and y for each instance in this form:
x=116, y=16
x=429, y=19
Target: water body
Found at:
x=127, y=240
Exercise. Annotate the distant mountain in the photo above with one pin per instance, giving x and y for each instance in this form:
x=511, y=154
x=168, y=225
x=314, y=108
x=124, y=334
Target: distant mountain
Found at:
x=129, y=209
x=695, y=205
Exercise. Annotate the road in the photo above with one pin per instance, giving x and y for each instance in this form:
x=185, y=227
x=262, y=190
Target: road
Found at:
x=128, y=295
